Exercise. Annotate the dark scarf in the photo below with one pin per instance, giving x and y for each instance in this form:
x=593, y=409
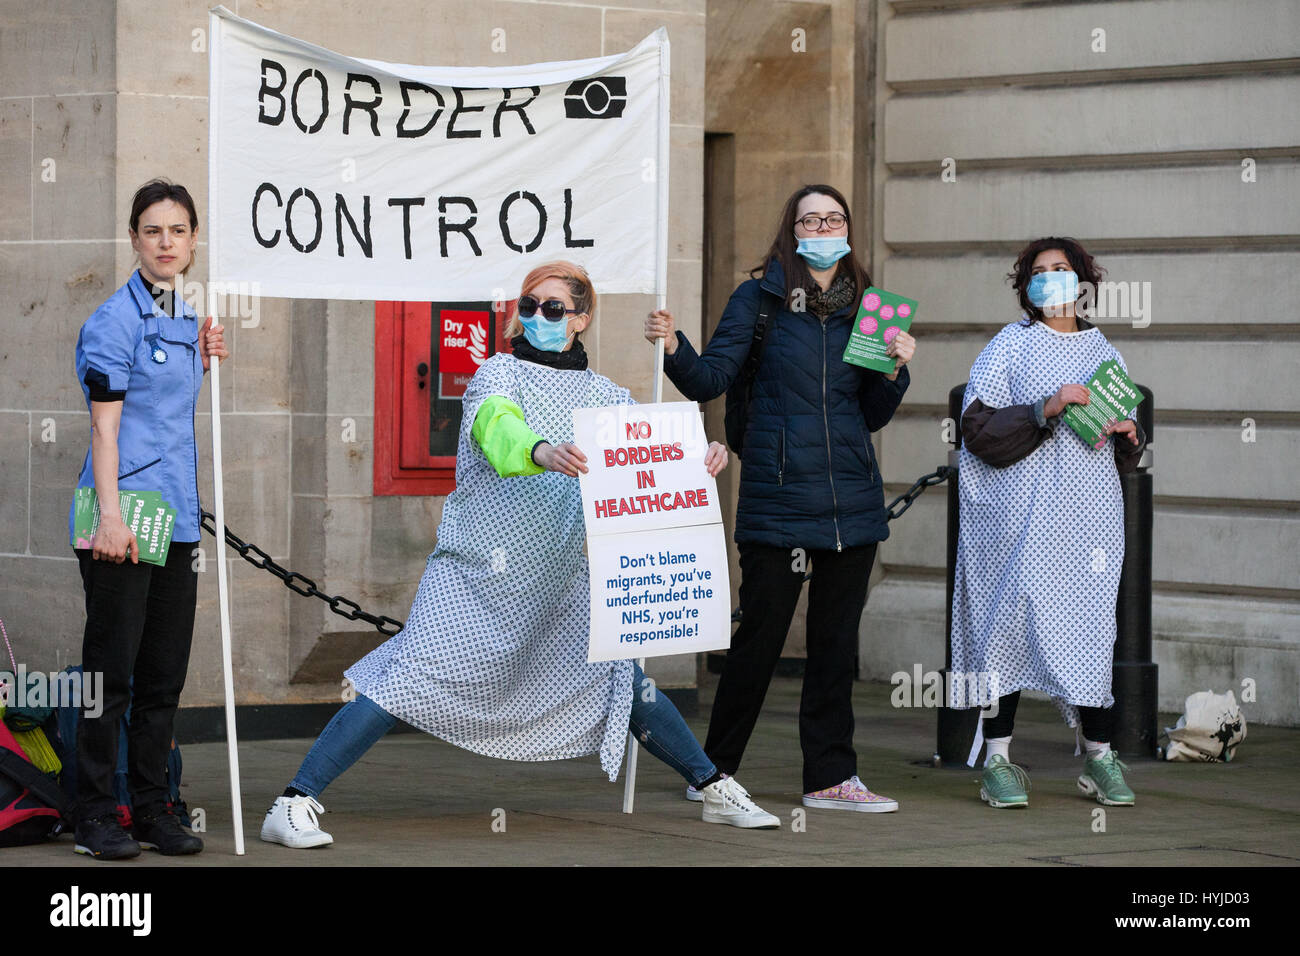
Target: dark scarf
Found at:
x=841, y=293
x=574, y=358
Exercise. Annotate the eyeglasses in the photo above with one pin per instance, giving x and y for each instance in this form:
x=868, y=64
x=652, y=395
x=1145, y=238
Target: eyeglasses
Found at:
x=552, y=309
x=812, y=223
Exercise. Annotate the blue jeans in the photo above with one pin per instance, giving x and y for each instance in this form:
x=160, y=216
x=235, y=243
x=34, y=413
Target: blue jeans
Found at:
x=659, y=728
x=654, y=722
x=349, y=734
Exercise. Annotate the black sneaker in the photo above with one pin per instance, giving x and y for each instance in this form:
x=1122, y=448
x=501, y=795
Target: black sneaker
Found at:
x=164, y=832
x=104, y=839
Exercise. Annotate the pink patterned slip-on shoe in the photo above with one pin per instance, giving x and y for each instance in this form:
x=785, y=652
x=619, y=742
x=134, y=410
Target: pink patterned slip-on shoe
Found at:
x=852, y=794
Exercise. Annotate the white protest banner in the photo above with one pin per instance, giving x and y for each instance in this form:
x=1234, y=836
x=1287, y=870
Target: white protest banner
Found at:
x=655, y=542
x=335, y=177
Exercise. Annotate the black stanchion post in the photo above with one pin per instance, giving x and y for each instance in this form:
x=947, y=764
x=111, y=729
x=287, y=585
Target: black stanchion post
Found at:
x=1134, y=681
x=956, y=730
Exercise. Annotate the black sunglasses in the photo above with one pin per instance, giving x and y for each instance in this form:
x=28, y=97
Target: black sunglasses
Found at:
x=552, y=309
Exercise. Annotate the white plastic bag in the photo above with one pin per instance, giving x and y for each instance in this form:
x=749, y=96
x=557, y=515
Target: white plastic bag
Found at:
x=1209, y=730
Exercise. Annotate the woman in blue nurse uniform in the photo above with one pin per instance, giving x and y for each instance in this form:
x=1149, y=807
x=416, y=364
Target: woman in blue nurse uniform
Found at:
x=140, y=361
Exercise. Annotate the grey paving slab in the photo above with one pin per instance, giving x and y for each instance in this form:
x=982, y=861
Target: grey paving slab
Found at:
x=414, y=800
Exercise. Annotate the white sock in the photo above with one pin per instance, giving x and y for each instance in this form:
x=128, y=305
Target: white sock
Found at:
x=996, y=745
x=1094, y=748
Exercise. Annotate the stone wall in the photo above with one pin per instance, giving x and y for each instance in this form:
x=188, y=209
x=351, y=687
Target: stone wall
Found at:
x=116, y=93
x=1133, y=141
x=1137, y=151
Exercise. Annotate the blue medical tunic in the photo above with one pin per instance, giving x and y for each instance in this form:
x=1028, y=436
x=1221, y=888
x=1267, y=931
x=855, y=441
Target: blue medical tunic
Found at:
x=131, y=345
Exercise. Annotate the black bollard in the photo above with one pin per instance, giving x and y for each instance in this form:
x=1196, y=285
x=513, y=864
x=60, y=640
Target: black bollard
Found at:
x=1134, y=678
x=956, y=731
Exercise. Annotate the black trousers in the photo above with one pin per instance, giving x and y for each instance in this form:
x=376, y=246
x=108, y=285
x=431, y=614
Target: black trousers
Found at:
x=139, y=624
x=770, y=582
x=1096, y=723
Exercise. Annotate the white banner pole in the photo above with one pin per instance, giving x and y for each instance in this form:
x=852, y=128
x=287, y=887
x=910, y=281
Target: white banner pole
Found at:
x=661, y=218
x=661, y=302
x=223, y=597
x=218, y=489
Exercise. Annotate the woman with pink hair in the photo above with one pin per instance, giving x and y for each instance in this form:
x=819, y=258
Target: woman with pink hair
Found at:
x=493, y=657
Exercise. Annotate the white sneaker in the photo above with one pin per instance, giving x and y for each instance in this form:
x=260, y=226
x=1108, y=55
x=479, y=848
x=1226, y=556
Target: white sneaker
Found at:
x=727, y=802
x=697, y=796
x=292, y=822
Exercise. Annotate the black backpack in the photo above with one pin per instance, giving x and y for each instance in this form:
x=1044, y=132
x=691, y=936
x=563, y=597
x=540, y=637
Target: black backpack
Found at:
x=742, y=389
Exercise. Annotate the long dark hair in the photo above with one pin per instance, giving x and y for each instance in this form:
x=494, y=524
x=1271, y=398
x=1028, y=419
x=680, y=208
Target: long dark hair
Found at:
x=1084, y=266
x=796, y=271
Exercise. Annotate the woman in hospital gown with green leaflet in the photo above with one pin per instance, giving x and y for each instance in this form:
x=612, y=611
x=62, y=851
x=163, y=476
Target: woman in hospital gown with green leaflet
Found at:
x=1041, y=543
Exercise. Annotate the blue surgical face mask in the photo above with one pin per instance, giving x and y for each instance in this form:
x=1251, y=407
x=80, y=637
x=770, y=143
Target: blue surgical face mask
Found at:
x=544, y=334
x=822, y=252
x=1049, y=289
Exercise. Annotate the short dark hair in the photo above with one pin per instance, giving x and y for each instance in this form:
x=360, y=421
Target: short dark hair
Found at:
x=1084, y=266
x=157, y=190
x=782, y=250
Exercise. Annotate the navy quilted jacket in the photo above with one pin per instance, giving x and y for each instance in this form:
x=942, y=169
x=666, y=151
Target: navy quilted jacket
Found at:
x=809, y=477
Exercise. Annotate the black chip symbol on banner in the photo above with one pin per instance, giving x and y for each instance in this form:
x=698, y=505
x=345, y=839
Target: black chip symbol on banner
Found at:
x=601, y=97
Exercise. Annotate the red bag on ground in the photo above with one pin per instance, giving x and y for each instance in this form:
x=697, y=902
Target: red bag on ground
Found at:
x=31, y=804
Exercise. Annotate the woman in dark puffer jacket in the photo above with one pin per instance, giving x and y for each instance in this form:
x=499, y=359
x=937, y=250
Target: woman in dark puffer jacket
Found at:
x=810, y=489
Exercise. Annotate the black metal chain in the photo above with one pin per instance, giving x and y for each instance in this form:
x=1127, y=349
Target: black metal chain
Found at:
x=938, y=477
x=301, y=584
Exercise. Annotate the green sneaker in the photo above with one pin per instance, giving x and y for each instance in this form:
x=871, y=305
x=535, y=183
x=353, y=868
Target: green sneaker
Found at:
x=1004, y=784
x=1103, y=778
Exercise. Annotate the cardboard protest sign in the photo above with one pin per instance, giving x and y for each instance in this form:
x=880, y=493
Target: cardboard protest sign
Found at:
x=659, y=592
x=655, y=542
